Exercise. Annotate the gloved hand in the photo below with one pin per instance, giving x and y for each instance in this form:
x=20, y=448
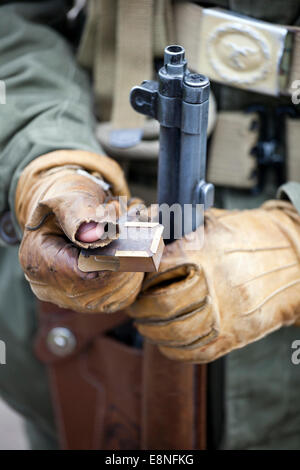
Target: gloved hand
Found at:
x=62, y=201
x=243, y=284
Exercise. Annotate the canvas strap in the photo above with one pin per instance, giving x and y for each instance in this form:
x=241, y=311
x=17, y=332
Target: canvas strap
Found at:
x=119, y=43
x=230, y=160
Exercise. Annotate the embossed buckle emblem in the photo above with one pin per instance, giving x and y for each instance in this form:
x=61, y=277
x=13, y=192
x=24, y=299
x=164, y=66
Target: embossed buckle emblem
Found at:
x=242, y=51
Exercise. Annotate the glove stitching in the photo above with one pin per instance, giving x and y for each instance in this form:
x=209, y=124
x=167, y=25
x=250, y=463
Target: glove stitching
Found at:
x=253, y=250
x=269, y=297
x=280, y=268
x=36, y=227
x=195, y=344
x=176, y=317
x=170, y=290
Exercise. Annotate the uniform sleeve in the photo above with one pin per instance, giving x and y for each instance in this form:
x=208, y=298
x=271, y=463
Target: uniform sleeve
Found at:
x=47, y=98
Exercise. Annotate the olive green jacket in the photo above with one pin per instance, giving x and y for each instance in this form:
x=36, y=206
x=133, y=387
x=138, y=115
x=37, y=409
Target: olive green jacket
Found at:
x=48, y=107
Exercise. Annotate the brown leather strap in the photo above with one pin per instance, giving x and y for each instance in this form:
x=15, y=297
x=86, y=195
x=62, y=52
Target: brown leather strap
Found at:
x=201, y=406
x=79, y=397
x=108, y=395
x=86, y=327
x=174, y=403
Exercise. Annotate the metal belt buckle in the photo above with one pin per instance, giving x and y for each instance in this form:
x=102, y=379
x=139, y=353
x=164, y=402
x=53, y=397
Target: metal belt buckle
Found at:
x=244, y=52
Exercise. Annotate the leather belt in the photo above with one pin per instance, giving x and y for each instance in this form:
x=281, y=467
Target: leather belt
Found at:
x=238, y=50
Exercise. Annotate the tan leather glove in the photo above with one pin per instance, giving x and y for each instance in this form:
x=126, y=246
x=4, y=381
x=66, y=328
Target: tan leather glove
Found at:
x=61, y=197
x=243, y=284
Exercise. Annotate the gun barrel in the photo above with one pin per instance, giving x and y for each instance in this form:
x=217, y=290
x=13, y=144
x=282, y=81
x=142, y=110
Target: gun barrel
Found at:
x=194, y=119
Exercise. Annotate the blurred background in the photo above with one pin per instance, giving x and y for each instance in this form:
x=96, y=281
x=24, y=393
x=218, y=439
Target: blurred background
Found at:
x=12, y=436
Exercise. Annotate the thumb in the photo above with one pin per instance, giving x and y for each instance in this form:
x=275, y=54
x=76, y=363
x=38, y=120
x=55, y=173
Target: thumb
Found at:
x=82, y=211
x=89, y=232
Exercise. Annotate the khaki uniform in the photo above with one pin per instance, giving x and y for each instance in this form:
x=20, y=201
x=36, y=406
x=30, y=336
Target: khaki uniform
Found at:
x=49, y=107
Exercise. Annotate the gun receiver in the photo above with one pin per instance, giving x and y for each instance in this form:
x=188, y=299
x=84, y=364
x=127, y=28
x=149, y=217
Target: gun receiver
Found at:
x=179, y=101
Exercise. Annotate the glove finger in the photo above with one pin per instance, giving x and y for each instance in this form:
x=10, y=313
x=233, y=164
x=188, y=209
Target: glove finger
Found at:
x=203, y=351
x=94, y=298
x=90, y=232
x=117, y=293
x=53, y=259
x=51, y=268
x=75, y=200
x=183, y=330
x=171, y=293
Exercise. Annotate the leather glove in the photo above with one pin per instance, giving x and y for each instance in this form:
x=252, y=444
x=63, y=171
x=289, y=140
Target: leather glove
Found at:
x=62, y=203
x=241, y=285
